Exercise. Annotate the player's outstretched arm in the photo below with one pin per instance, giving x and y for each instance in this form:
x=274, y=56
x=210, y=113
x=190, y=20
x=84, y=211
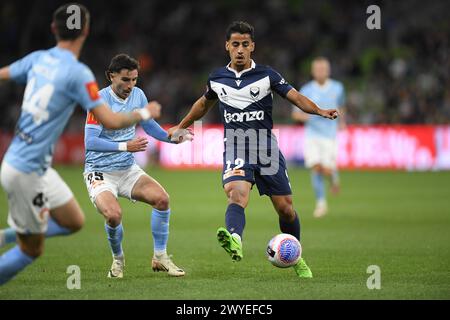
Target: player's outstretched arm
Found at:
x=198, y=110
x=112, y=120
x=309, y=106
x=4, y=73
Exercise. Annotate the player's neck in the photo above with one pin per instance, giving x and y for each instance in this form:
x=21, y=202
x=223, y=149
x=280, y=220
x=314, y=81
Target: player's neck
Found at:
x=239, y=68
x=322, y=82
x=72, y=46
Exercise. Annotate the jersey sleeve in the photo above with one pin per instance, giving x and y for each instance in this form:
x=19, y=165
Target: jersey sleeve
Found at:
x=85, y=89
x=278, y=84
x=18, y=70
x=210, y=94
x=93, y=142
x=341, y=97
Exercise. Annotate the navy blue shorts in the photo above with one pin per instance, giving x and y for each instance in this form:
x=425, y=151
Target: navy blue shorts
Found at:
x=275, y=183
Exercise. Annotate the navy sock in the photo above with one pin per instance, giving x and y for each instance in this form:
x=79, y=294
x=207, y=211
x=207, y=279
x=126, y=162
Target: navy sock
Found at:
x=235, y=219
x=292, y=227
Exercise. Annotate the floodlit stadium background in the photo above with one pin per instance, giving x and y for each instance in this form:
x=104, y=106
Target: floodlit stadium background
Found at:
x=395, y=77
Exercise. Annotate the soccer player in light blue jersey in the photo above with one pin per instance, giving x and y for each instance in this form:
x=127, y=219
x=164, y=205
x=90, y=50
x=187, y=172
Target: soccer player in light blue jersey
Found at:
x=111, y=170
x=321, y=135
x=40, y=202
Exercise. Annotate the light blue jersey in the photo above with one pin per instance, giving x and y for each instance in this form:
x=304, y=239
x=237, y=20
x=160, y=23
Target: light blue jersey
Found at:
x=329, y=96
x=56, y=82
x=112, y=161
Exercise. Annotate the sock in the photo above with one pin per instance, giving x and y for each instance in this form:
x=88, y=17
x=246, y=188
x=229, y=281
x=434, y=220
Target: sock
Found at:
x=335, y=177
x=160, y=230
x=292, y=228
x=12, y=262
x=115, y=236
x=10, y=235
x=54, y=229
x=318, y=185
x=235, y=219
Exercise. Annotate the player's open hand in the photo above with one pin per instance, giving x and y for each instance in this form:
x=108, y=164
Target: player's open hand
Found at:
x=329, y=113
x=155, y=109
x=177, y=135
x=137, y=144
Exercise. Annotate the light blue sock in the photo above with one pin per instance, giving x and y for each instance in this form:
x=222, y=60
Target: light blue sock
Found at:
x=160, y=230
x=318, y=185
x=10, y=235
x=12, y=262
x=54, y=229
x=115, y=236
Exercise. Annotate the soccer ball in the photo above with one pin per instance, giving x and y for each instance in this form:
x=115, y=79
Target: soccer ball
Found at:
x=284, y=250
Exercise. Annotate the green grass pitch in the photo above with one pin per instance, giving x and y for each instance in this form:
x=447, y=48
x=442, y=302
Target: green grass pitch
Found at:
x=398, y=221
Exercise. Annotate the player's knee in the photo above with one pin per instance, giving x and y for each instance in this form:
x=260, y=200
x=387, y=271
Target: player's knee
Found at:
x=162, y=201
x=77, y=223
x=113, y=215
x=236, y=197
x=286, y=210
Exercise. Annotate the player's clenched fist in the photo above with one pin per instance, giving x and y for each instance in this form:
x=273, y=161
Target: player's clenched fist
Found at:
x=155, y=109
x=329, y=113
x=137, y=144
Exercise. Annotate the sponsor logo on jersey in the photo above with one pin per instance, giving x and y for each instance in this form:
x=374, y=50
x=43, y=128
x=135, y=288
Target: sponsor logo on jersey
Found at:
x=91, y=119
x=243, y=116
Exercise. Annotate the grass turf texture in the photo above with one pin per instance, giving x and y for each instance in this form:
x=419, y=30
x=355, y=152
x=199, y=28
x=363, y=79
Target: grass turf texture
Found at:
x=399, y=221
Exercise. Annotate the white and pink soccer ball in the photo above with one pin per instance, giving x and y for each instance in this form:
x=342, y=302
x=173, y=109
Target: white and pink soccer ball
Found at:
x=284, y=250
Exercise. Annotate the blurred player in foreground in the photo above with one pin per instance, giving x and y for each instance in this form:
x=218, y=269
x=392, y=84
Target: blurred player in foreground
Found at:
x=111, y=170
x=244, y=90
x=320, y=134
x=40, y=202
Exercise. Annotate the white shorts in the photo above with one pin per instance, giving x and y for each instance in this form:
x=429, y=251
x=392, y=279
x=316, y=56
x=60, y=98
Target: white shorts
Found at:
x=321, y=151
x=119, y=183
x=31, y=197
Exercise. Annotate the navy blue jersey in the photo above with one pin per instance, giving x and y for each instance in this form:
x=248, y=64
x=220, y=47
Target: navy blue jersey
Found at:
x=246, y=97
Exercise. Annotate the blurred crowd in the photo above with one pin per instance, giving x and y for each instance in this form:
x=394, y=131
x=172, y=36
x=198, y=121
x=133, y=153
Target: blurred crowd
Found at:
x=399, y=74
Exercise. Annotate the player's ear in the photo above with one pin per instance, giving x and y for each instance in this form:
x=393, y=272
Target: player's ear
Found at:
x=252, y=47
x=227, y=46
x=53, y=28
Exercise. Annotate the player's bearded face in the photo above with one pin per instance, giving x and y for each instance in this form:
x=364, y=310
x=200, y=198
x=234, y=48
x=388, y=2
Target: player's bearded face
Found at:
x=240, y=48
x=123, y=82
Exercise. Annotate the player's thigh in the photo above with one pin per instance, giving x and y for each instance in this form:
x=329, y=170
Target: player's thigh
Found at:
x=313, y=152
x=148, y=190
x=27, y=200
x=329, y=155
x=63, y=206
x=274, y=183
x=107, y=204
x=69, y=215
x=99, y=182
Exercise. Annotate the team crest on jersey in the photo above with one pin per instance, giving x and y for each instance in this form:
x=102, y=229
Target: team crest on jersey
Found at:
x=254, y=92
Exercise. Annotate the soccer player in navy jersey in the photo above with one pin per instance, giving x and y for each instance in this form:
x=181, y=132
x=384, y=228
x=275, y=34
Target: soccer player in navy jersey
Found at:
x=244, y=90
x=40, y=202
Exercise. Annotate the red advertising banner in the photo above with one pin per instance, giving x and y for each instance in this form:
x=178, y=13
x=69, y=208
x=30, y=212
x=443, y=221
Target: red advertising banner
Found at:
x=397, y=147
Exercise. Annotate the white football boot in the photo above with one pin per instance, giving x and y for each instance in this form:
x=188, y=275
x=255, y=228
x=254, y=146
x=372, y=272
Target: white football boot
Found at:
x=321, y=209
x=165, y=263
x=117, y=267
